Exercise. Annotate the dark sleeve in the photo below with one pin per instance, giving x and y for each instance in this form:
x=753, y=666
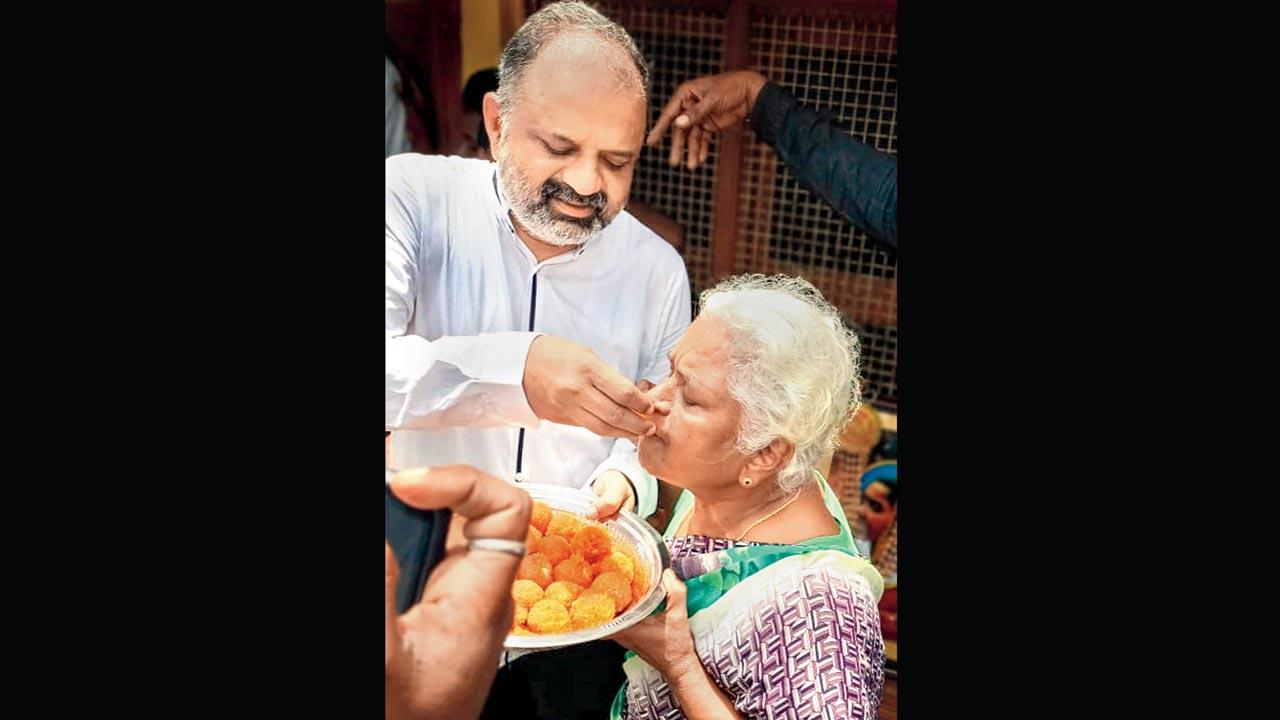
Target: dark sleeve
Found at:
x=857, y=180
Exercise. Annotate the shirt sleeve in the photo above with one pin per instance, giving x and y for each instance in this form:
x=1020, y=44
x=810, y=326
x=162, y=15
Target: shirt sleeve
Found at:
x=463, y=380
x=857, y=180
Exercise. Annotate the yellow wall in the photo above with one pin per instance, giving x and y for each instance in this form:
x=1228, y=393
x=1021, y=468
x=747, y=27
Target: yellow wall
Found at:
x=486, y=27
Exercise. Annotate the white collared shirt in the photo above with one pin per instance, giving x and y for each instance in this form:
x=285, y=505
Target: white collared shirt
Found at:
x=460, y=305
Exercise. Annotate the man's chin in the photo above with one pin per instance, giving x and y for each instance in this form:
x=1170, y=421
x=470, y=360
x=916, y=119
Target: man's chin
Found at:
x=579, y=233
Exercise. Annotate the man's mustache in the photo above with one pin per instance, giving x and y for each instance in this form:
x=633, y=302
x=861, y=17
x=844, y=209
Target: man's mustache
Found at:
x=555, y=189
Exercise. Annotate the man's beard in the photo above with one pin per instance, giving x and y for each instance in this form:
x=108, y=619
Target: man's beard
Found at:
x=531, y=207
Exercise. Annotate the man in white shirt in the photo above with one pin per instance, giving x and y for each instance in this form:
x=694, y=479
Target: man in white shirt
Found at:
x=522, y=302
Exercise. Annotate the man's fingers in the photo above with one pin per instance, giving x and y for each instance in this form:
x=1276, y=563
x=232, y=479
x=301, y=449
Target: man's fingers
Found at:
x=495, y=508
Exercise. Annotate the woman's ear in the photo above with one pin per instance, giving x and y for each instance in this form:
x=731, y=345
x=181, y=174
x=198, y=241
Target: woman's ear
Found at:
x=770, y=459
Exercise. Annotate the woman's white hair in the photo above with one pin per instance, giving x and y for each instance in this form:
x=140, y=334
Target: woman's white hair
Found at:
x=793, y=367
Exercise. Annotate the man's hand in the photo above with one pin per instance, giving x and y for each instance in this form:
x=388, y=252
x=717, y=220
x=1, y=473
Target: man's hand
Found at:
x=701, y=108
x=565, y=382
x=442, y=654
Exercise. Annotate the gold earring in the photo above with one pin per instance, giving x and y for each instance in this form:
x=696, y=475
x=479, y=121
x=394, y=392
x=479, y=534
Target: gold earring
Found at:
x=746, y=482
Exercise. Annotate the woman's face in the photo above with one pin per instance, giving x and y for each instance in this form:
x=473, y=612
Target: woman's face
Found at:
x=876, y=510
x=694, y=446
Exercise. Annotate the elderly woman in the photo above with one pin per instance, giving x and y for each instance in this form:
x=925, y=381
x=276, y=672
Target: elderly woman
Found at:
x=773, y=613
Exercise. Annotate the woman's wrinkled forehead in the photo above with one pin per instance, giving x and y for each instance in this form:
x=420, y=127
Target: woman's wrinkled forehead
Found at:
x=705, y=347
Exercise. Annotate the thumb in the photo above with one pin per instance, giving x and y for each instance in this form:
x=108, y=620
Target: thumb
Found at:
x=676, y=593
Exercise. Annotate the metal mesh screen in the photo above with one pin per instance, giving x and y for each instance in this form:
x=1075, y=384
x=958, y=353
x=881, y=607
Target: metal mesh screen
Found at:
x=846, y=65
x=846, y=468
x=841, y=61
x=677, y=46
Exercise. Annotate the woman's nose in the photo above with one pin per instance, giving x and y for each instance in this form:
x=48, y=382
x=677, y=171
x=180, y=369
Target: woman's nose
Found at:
x=660, y=395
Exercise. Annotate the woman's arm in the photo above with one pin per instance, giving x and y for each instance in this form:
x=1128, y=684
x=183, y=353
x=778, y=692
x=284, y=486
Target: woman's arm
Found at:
x=665, y=642
x=699, y=697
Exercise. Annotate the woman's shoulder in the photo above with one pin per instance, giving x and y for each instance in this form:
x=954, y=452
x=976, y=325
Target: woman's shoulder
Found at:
x=809, y=519
x=818, y=620
x=829, y=574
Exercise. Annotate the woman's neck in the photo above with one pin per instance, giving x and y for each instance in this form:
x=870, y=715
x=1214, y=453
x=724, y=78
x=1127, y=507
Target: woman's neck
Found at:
x=731, y=513
x=727, y=514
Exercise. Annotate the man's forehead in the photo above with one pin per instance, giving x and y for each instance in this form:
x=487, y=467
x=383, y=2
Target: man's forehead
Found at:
x=578, y=60
x=584, y=116
x=579, y=45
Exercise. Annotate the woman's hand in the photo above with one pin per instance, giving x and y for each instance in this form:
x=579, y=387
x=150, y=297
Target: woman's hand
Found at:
x=613, y=491
x=664, y=641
